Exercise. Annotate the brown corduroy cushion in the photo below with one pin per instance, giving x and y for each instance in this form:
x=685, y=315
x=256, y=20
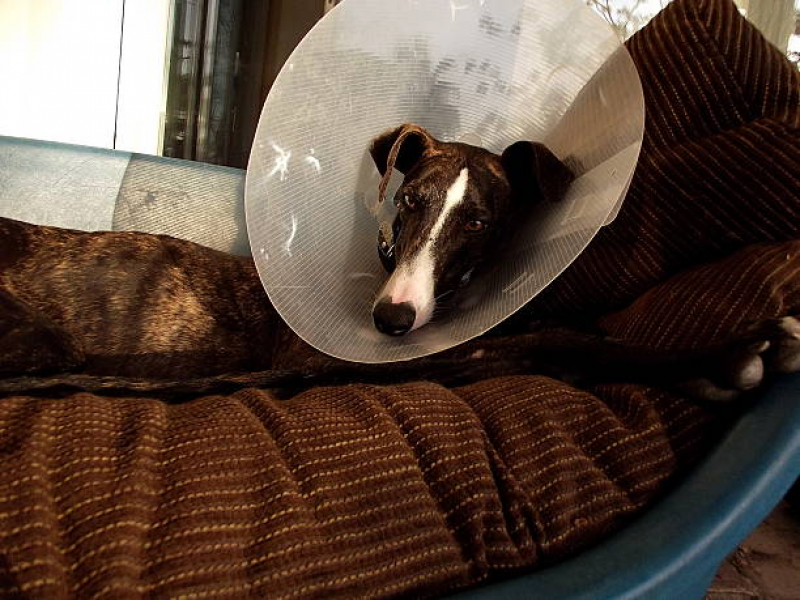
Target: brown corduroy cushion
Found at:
x=353, y=490
x=719, y=166
x=705, y=304
x=418, y=489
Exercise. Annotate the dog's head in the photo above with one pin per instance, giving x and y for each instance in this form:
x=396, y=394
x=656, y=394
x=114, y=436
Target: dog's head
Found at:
x=457, y=205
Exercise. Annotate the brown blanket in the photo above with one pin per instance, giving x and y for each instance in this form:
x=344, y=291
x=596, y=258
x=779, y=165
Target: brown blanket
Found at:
x=418, y=489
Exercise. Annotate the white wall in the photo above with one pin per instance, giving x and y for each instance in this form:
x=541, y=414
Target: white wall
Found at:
x=144, y=71
x=60, y=69
x=59, y=61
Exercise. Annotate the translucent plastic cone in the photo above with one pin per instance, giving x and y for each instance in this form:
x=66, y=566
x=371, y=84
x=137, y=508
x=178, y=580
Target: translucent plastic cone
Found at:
x=486, y=72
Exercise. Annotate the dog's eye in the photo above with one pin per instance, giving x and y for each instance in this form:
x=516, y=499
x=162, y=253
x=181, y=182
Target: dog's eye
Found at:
x=409, y=202
x=475, y=225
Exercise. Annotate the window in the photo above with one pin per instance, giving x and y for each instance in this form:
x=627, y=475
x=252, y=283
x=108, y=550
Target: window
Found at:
x=187, y=78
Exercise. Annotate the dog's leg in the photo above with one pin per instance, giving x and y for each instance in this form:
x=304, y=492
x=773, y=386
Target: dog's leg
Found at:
x=718, y=373
x=746, y=361
x=30, y=342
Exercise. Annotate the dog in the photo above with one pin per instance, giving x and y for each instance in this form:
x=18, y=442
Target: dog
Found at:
x=134, y=313
x=458, y=204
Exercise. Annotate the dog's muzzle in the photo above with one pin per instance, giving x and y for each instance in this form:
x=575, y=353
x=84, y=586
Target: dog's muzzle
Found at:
x=394, y=319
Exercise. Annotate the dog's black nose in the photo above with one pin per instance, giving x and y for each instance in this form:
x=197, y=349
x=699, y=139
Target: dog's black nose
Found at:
x=393, y=319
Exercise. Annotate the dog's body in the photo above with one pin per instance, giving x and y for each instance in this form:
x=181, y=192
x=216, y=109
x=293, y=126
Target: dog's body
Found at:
x=123, y=306
x=129, y=304
x=129, y=308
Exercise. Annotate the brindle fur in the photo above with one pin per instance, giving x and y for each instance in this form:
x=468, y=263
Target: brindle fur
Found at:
x=128, y=304
x=134, y=313
x=501, y=189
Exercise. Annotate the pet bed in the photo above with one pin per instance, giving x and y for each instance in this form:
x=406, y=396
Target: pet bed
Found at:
x=423, y=489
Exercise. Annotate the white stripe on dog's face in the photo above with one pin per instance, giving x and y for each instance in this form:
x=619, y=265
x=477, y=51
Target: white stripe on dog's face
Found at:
x=412, y=280
x=455, y=196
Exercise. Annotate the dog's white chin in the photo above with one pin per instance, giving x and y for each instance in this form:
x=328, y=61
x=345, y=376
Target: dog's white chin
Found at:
x=424, y=316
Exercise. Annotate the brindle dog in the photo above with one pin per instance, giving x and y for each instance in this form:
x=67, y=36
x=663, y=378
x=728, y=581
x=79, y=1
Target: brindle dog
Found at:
x=123, y=312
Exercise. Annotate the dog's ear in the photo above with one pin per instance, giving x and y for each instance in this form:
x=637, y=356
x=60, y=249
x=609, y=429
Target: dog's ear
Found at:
x=535, y=173
x=399, y=148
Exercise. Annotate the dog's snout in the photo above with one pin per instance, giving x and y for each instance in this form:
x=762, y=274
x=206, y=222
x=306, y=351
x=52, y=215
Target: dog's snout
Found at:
x=394, y=319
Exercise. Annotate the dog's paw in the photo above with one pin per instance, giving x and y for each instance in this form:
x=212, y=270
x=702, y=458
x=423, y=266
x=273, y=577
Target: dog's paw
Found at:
x=747, y=360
